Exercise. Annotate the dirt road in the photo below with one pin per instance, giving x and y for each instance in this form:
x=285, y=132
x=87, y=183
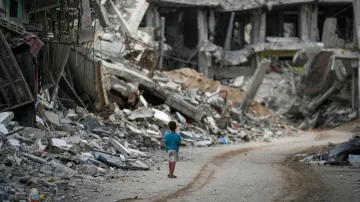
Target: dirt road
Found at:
x=249, y=172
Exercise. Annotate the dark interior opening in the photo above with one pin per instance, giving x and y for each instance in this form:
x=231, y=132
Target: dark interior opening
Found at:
x=343, y=13
x=13, y=8
x=222, y=23
x=190, y=31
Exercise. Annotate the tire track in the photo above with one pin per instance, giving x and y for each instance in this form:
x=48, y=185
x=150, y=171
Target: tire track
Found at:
x=300, y=182
x=206, y=173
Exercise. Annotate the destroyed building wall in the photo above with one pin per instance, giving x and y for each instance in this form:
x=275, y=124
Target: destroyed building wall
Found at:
x=299, y=23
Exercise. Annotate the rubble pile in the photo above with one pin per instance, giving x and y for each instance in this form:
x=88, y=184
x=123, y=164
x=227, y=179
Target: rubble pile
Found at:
x=346, y=153
x=275, y=92
x=64, y=148
x=191, y=80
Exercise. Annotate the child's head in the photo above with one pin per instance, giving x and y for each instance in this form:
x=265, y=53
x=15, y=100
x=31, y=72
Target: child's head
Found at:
x=172, y=126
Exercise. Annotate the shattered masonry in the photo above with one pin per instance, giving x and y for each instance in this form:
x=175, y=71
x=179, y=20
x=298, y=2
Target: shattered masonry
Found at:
x=88, y=86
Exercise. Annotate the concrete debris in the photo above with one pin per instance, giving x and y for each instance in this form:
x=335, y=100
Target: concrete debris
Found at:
x=51, y=117
x=6, y=117
x=345, y=153
x=104, y=106
x=142, y=113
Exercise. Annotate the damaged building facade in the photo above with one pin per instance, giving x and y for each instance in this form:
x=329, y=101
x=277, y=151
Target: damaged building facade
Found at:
x=83, y=52
x=198, y=31
x=89, y=86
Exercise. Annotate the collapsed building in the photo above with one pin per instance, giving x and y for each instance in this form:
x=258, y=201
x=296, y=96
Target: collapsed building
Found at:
x=95, y=82
x=85, y=40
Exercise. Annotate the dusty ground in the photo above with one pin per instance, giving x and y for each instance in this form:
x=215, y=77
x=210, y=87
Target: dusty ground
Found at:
x=247, y=172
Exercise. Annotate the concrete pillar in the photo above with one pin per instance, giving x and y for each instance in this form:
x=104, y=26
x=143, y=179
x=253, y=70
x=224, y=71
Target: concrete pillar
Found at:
x=157, y=20
x=258, y=26
x=304, y=22
x=150, y=17
x=212, y=23
x=262, y=31
x=239, y=35
x=314, y=23
x=329, y=36
x=203, y=60
x=308, y=22
x=255, y=84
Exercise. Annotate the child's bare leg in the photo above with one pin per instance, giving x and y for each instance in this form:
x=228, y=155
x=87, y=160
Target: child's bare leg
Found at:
x=170, y=167
x=173, y=168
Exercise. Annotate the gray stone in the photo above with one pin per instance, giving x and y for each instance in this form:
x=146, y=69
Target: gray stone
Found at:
x=3, y=129
x=238, y=81
x=119, y=147
x=52, y=117
x=6, y=117
x=141, y=113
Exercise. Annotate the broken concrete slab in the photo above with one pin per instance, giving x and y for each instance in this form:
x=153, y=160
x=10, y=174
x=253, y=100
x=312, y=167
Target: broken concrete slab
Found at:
x=181, y=118
x=138, y=153
x=238, y=81
x=122, y=87
x=172, y=86
x=100, y=13
x=60, y=143
x=51, y=117
x=142, y=113
x=119, y=147
x=203, y=143
x=137, y=14
x=6, y=117
x=161, y=117
x=137, y=165
x=128, y=73
x=124, y=26
x=34, y=158
x=60, y=168
x=176, y=102
x=3, y=129
x=142, y=102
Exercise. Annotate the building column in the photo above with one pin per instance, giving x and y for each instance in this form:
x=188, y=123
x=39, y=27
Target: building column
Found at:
x=308, y=22
x=212, y=24
x=204, y=61
x=150, y=17
x=258, y=27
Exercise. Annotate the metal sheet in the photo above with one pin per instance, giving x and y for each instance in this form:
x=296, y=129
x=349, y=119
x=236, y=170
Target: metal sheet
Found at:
x=14, y=91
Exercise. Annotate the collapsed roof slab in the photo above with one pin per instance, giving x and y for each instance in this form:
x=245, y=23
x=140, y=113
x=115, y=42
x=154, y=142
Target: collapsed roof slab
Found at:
x=202, y=3
x=238, y=5
x=233, y=58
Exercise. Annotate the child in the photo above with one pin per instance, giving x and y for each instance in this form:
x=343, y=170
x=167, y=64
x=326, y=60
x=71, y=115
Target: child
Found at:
x=172, y=141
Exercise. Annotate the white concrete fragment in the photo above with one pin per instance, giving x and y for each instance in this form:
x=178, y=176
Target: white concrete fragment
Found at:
x=172, y=86
x=60, y=143
x=142, y=102
x=238, y=81
x=203, y=143
x=15, y=142
x=137, y=15
x=138, y=153
x=6, y=117
x=3, y=129
x=119, y=147
x=142, y=113
x=52, y=117
x=162, y=117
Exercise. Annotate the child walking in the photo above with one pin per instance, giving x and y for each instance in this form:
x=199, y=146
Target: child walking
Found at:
x=172, y=141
